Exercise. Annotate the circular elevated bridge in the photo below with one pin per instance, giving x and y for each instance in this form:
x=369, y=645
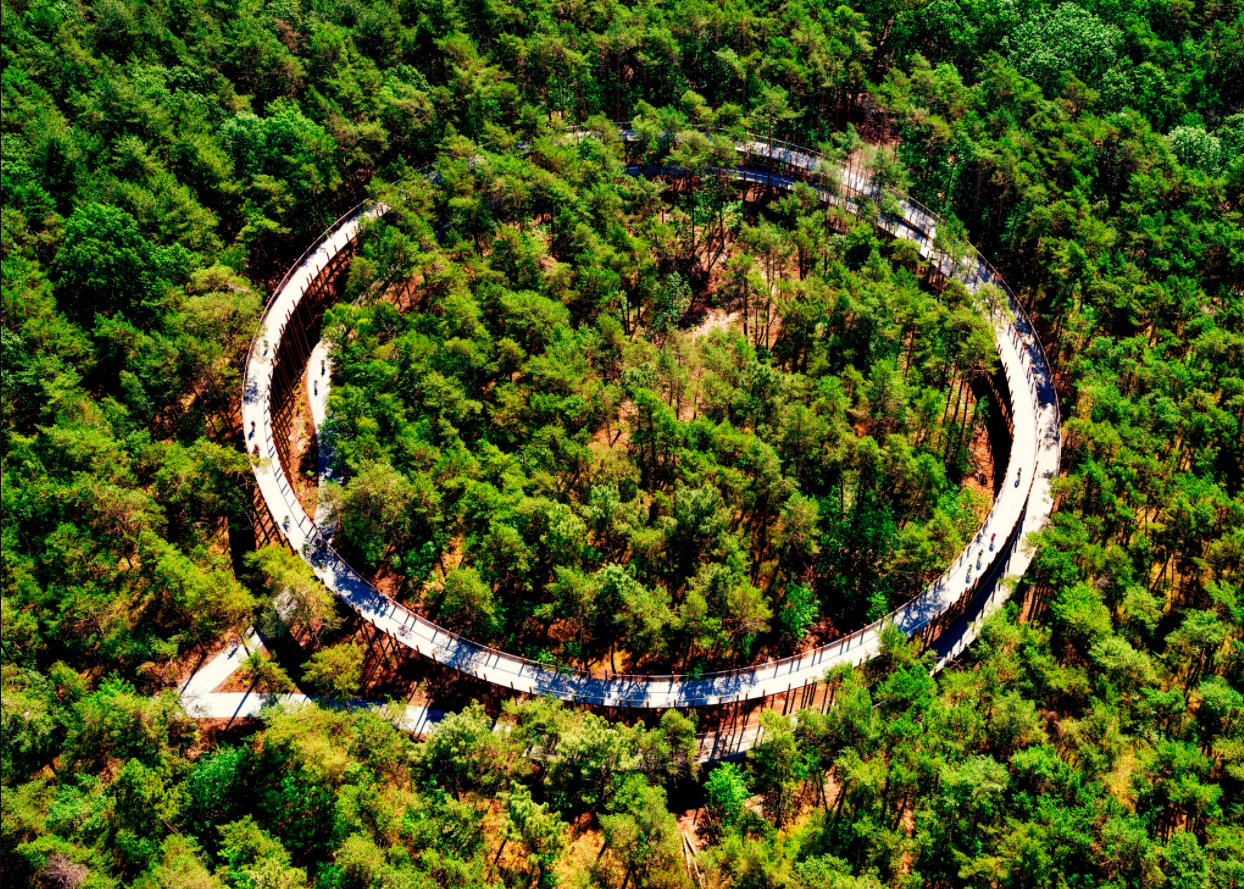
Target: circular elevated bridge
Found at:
x=946, y=615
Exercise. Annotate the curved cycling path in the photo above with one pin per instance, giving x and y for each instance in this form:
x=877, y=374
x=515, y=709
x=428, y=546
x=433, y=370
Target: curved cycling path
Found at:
x=947, y=614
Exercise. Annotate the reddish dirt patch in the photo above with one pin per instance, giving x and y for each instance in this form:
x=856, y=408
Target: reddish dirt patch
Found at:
x=1033, y=605
x=388, y=581
x=981, y=479
x=304, y=451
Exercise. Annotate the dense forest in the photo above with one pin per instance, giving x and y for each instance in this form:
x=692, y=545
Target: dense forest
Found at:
x=162, y=164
